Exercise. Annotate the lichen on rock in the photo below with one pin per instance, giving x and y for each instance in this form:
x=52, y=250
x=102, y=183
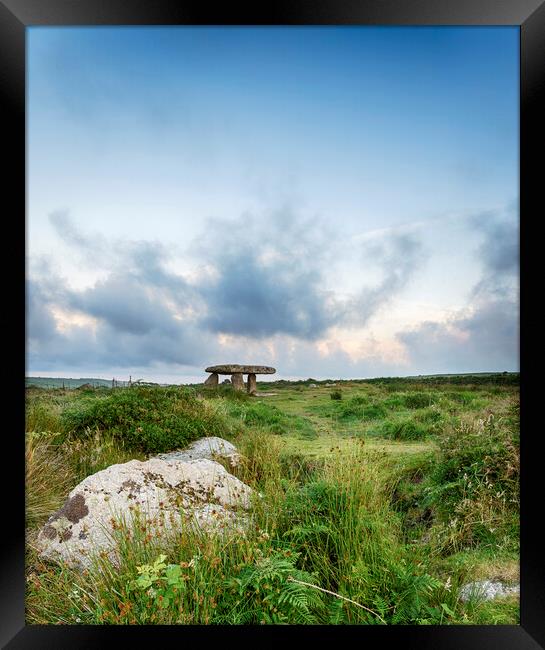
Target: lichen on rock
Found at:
x=167, y=495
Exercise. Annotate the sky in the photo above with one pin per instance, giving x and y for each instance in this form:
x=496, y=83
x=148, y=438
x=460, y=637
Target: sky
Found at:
x=336, y=202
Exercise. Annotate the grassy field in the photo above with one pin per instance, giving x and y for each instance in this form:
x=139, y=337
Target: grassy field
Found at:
x=381, y=498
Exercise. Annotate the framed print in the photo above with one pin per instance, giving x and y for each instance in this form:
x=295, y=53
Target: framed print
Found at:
x=275, y=331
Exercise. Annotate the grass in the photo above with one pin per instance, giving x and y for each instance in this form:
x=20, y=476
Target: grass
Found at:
x=376, y=508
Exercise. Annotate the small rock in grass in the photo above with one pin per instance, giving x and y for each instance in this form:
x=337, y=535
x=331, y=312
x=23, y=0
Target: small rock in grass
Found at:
x=486, y=590
x=210, y=447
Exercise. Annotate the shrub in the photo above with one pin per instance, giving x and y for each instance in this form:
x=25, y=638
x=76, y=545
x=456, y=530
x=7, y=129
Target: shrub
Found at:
x=406, y=429
x=429, y=416
x=474, y=486
x=147, y=419
x=42, y=417
x=418, y=400
x=336, y=394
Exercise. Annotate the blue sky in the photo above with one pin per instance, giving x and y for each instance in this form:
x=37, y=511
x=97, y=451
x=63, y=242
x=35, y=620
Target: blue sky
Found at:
x=318, y=199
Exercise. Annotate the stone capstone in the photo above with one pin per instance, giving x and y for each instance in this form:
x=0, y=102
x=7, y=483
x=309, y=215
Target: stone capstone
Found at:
x=232, y=368
x=210, y=447
x=166, y=496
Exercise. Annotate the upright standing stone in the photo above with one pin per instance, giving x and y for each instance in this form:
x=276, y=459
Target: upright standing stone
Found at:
x=252, y=384
x=212, y=380
x=237, y=381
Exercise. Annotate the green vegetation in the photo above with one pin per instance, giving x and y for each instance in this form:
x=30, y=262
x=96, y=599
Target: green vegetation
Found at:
x=146, y=419
x=376, y=508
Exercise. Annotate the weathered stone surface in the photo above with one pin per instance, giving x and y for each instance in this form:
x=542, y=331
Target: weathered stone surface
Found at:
x=210, y=447
x=230, y=368
x=212, y=380
x=168, y=495
x=226, y=381
x=252, y=384
x=486, y=590
x=237, y=381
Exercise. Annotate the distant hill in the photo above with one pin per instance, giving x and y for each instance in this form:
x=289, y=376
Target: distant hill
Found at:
x=69, y=382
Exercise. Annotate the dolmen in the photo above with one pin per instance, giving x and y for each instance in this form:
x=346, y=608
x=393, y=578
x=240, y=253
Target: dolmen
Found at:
x=237, y=371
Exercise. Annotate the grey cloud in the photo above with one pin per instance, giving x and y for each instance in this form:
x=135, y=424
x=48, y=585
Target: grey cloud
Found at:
x=491, y=343
x=252, y=300
x=269, y=276
x=94, y=248
x=124, y=303
x=489, y=327
x=398, y=256
x=499, y=250
x=255, y=297
x=40, y=324
x=268, y=280
x=111, y=346
x=499, y=254
x=134, y=324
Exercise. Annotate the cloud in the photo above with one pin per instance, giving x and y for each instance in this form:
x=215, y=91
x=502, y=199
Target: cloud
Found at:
x=498, y=252
x=95, y=249
x=484, y=336
x=398, y=256
x=269, y=276
x=257, y=279
x=40, y=323
x=134, y=318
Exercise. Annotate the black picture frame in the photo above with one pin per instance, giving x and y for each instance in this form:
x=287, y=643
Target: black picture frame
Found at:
x=15, y=17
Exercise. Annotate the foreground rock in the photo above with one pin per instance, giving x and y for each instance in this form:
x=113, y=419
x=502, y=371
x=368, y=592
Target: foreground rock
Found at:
x=486, y=590
x=166, y=495
x=211, y=447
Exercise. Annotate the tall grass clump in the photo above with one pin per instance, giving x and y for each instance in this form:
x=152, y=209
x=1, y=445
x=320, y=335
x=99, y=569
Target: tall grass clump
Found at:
x=403, y=429
x=347, y=535
x=40, y=416
x=48, y=477
x=474, y=486
x=147, y=419
x=417, y=400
